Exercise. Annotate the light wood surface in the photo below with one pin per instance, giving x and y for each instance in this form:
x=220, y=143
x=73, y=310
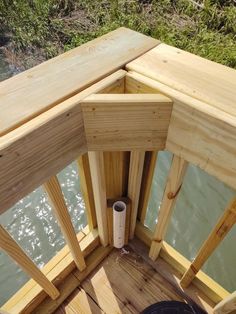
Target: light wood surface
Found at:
x=146, y=185
x=200, y=133
x=207, y=81
x=46, y=145
x=52, y=82
x=173, y=185
x=226, y=306
x=54, y=192
x=134, y=185
x=11, y=247
x=126, y=121
x=223, y=226
x=96, y=162
x=87, y=190
x=206, y=285
x=57, y=269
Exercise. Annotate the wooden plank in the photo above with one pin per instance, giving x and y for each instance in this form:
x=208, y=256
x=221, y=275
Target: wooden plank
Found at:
x=58, y=268
x=191, y=295
x=42, y=87
x=11, y=247
x=126, y=121
x=68, y=286
x=96, y=162
x=207, y=81
x=195, y=124
x=87, y=190
x=54, y=192
x=226, y=306
x=204, y=283
x=173, y=185
x=46, y=145
x=146, y=185
x=134, y=185
x=223, y=226
x=110, y=203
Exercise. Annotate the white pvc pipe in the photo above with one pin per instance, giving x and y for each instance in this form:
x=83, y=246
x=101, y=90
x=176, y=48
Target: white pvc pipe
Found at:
x=119, y=217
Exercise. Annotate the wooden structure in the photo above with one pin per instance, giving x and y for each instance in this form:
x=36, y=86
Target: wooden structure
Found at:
x=112, y=104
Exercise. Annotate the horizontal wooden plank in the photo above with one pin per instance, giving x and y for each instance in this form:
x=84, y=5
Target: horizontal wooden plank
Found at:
x=202, y=281
x=126, y=121
x=199, y=133
x=32, y=153
x=42, y=87
x=59, y=267
x=207, y=81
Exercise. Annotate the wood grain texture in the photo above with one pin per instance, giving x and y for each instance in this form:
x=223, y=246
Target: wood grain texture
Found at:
x=173, y=185
x=87, y=190
x=11, y=247
x=226, y=306
x=54, y=192
x=223, y=226
x=30, y=93
x=57, y=269
x=96, y=162
x=199, y=133
x=204, y=283
x=42, y=147
x=207, y=81
x=134, y=185
x=148, y=173
x=126, y=121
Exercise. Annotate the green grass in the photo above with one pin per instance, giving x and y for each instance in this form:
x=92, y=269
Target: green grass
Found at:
x=51, y=27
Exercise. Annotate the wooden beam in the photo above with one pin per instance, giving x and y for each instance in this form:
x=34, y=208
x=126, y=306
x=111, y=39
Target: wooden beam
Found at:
x=202, y=281
x=27, y=299
x=173, y=185
x=10, y=246
x=45, y=144
x=96, y=162
x=119, y=122
x=54, y=192
x=79, y=68
x=87, y=190
x=223, y=226
x=193, y=125
x=226, y=306
x=134, y=185
x=146, y=185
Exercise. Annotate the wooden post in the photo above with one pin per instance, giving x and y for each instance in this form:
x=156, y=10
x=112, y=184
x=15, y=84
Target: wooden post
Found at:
x=223, y=226
x=53, y=189
x=87, y=190
x=173, y=186
x=146, y=185
x=227, y=305
x=9, y=245
x=134, y=185
x=96, y=162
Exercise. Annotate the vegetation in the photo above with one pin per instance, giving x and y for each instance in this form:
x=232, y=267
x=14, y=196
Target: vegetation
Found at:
x=41, y=29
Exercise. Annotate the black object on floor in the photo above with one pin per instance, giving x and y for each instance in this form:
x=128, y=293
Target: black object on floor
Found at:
x=172, y=307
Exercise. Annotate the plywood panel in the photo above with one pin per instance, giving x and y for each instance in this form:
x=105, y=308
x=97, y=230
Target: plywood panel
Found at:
x=34, y=91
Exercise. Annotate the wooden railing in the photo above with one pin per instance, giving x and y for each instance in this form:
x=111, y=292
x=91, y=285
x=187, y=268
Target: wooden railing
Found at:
x=114, y=127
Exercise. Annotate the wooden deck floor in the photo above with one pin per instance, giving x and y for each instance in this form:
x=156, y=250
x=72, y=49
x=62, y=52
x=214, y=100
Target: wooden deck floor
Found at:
x=123, y=283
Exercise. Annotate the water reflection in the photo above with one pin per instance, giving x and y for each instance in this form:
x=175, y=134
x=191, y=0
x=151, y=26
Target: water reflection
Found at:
x=32, y=224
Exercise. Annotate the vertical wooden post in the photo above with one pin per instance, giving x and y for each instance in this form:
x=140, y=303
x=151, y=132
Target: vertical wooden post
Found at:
x=223, y=226
x=87, y=190
x=146, y=185
x=9, y=245
x=134, y=185
x=227, y=305
x=53, y=189
x=96, y=162
x=173, y=186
